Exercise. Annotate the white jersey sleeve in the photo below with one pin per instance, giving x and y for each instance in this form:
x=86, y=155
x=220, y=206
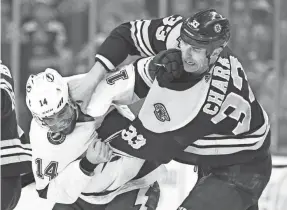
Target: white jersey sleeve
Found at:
x=123, y=87
x=116, y=88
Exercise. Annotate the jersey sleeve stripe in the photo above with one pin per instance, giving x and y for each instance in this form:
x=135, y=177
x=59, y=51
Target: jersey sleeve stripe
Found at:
x=229, y=142
x=16, y=158
x=232, y=145
x=104, y=193
x=139, y=34
x=15, y=150
x=105, y=62
x=254, y=137
x=142, y=70
x=142, y=79
x=135, y=40
x=14, y=142
x=16, y=146
x=145, y=36
x=225, y=150
x=143, y=46
x=218, y=149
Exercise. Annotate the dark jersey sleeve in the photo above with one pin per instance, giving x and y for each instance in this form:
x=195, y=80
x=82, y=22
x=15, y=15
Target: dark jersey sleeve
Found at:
x=138, y=141
x=16, y=151
x=7, y=97
x=139, y=37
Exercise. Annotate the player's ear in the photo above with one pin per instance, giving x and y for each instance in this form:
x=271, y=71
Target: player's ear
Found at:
x=216, y=52
x=214, y=55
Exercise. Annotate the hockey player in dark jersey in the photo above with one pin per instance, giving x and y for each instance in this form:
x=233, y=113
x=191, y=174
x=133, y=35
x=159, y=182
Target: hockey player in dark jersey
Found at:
x=15, y=150
x=199, y=110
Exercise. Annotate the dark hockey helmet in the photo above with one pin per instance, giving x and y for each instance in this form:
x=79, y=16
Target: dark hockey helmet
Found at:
x=206, y=29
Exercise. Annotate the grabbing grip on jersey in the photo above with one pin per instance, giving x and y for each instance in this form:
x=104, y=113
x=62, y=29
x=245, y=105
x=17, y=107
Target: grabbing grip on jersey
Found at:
x=169, y=63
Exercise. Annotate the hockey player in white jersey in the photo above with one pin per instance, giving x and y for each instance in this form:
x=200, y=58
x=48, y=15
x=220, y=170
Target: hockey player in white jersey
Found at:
x=72, y=167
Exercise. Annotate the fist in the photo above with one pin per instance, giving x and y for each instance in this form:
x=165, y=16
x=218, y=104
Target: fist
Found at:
x=168, y=62
x=99, y=152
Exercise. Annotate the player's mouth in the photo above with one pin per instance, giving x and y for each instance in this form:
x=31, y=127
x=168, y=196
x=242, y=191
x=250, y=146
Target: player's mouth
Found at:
x=190, y=63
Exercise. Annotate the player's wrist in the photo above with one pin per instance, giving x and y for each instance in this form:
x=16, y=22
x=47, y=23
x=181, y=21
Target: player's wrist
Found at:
x=102, y=68
x=96, y=74
x=87, y=167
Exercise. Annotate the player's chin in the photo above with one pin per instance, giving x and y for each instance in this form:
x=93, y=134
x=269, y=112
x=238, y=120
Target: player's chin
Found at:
x=190, y=68
x=69, y=129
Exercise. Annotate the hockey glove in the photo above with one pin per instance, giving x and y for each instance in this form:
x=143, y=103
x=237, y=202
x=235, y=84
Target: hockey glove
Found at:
x=168, y=61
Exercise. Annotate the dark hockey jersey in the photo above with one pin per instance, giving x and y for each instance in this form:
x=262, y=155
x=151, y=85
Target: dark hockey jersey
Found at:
x=215, y=122
x=15, y=150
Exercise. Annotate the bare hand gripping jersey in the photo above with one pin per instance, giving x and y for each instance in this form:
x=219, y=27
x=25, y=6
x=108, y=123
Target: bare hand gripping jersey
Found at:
x=56, y=157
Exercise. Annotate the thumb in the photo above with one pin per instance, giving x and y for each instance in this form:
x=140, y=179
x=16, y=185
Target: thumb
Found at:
x=93, y=143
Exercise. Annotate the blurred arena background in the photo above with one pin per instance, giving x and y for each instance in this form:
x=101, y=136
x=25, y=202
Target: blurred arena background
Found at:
x=65, y=34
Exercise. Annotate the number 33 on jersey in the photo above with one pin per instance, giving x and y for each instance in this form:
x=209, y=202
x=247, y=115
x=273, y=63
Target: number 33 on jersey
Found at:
x=218, y=115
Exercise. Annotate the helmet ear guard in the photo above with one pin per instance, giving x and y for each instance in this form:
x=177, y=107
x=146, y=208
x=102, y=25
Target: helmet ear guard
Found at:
x=206, y=29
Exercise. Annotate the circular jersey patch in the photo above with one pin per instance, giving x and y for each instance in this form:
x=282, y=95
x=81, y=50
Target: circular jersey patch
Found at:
x=56, y=138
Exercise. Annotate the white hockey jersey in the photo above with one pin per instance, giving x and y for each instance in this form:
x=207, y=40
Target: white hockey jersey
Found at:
x=56, y=157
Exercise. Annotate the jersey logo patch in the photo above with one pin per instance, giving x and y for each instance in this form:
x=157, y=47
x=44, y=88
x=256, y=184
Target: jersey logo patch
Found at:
x=161, y=112
x=56, y=138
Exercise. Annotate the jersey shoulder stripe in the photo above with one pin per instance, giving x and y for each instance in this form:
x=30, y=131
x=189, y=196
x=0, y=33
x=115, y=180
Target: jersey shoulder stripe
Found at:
x=153, y=36
x=139, y=34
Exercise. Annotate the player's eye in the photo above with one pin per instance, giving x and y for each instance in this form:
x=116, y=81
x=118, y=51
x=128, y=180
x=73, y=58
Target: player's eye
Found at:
x=197, y=49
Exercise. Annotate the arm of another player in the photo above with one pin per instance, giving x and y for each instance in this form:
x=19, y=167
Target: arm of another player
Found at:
x=126, y=86
x=63, y=182
x=139, y=37
x=140, y=142
x=132, y=82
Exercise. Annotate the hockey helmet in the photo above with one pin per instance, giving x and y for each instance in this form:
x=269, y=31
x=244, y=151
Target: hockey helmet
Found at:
x=206, y=29
x=47, y=94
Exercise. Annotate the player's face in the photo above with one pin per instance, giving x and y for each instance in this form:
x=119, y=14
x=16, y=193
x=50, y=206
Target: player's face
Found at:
x=63, y=121
x=194, y=58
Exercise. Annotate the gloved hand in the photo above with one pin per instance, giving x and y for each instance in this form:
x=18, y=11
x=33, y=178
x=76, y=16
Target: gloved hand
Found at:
x=168, y=61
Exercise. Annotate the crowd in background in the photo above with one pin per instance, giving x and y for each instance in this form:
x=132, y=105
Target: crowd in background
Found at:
x=54, y=33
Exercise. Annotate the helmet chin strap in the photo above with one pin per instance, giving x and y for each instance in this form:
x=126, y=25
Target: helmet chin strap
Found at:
x=74, y=106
